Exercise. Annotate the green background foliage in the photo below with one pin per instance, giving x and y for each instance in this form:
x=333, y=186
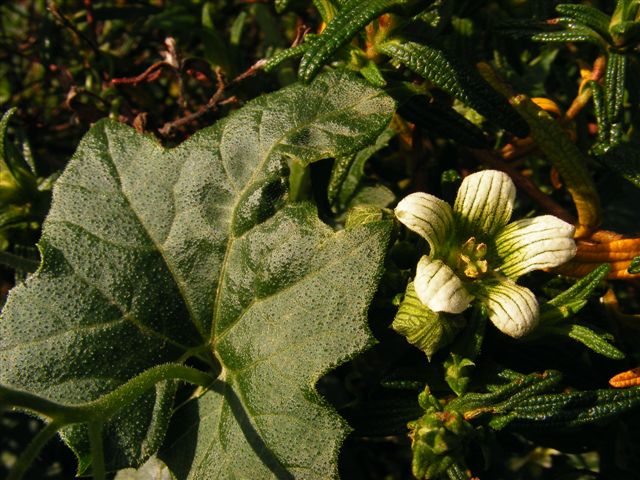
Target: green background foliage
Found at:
x=242, y=233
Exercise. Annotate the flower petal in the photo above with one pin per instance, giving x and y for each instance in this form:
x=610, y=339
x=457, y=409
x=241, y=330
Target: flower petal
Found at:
x=438, y=287
x=533, y=244
x=428, y=216
x=512, y=308
x=484, y=203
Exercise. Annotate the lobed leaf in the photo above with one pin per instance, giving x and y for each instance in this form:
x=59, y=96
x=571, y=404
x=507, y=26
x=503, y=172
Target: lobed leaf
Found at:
x=287, y=314
x=153, y=256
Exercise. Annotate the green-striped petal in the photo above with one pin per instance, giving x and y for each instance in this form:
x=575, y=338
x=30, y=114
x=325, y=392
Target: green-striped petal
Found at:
x=484, y=203
x=428, y=216
x=512, y=309
x=439, y=288
x=533, y=244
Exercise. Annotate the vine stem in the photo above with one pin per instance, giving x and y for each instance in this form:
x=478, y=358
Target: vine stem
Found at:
x=107, y=405
x=98, y=469
x=95, y=413
x=32, y=451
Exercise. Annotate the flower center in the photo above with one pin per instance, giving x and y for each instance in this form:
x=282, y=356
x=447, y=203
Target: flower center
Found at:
x=471, y=260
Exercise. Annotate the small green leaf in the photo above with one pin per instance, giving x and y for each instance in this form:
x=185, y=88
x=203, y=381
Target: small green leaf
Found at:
x=357, y=216
x=215, y=48
x=284, y=55
x=372, y=73
x=614, y=85
x=326, y=9
x=348, y=172
x=573, y=33
x=15, y=173
x=349, y=21
x=17, y=262
x=441, y=120
x=582, y=289
x=589, y=339
x=587, y=15
x=634, y=267
x=457, y=79
x=427, y=330
x=573, y=409
x=623, y=159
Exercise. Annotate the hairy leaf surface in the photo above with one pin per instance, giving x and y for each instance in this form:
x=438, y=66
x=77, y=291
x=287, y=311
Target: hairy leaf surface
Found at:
x=287, y=313
x=154, y=256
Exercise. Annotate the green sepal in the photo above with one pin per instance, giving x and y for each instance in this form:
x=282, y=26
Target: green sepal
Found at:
x=344, y=26
x=427, y=330
x=634, y=266
x=457, y=79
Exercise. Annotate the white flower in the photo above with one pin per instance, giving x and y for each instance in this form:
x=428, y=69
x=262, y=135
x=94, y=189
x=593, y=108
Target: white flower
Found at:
x=475, y=254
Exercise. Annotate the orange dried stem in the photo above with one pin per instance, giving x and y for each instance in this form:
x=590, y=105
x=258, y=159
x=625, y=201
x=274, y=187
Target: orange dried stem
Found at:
x=604, y=247
x=630, y=378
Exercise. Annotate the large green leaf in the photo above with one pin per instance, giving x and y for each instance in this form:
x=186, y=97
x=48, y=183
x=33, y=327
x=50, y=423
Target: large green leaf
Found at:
x=154, y=256
x=288, y=314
